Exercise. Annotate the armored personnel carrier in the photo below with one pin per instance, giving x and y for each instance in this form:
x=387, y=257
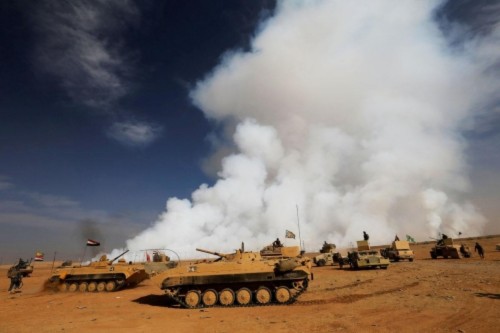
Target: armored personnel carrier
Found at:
x=446, y=249
x=99, y=276
x=237, y=279
x=23, y=266
x=366, y=257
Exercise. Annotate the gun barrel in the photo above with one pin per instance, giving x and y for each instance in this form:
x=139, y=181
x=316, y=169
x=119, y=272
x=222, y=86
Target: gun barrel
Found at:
x=113, y=260
x=210, y=252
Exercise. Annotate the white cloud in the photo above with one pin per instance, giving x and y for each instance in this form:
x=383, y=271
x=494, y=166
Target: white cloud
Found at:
x=134, y=133
x=80, y=45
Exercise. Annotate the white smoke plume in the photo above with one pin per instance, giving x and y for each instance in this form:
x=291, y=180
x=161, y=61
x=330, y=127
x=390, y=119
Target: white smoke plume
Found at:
x=352, y=112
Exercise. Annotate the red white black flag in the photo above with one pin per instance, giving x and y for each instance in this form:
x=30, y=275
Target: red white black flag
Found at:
x=91, y=242
x=39, y=256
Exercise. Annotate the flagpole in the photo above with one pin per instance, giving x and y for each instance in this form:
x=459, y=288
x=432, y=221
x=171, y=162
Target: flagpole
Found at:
x=83, y=256
x=298, y=224
x=53, y=261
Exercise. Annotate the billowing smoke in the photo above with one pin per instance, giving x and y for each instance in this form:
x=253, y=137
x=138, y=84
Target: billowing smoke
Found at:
x=351, y=112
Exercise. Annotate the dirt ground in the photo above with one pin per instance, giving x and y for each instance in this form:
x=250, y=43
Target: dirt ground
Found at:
x=442, y=295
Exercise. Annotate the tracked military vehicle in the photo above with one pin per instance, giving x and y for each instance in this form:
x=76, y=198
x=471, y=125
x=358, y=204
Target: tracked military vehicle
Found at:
x=366, y=257
x=237, y=279
x=446, y=249
x=98, y=276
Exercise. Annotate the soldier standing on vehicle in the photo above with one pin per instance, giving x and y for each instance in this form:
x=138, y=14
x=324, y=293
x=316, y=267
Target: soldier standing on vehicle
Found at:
x=277, y=243
x=396, y=238
x=365, y=236
x=479, y=249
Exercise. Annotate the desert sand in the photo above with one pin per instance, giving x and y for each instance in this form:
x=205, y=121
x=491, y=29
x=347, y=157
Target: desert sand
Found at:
x=442, y=295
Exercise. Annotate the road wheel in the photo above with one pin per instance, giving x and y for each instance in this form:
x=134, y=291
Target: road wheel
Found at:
x=101, y=286
x=110, y=285
x=226, y=297
x=83, y=287
x=282, y=295
x=92, y=287
x=64, y=287
x=192, y=298
x=321, y=262
x=244, y=296
x=73, y=287
x=263, y=295
x=209, y=297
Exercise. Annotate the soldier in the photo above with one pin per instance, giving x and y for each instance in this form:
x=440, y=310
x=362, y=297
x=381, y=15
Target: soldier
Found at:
x=479, y=249
x=441, y=241
x=396, y=238
x=365, y=236
x=15, y=281
x=277, y=243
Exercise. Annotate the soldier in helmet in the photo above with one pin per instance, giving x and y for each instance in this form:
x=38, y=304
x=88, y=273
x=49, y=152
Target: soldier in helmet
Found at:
x=365, y=236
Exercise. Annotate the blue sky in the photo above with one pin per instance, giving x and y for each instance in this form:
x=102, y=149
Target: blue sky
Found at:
x=99, y=125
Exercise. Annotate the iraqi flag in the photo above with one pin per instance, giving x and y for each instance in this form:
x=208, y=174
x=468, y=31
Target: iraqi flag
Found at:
x=91, y=242
x=39, y=256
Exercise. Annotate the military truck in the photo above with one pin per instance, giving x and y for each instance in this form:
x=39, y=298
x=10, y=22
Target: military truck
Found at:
x=326, y=255
x=365, y=257
x=446, y=249
x=399, y=250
